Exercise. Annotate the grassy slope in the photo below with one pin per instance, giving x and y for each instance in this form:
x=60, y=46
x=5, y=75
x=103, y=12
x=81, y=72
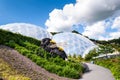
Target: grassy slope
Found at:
x=7, y=73
x=30, y=48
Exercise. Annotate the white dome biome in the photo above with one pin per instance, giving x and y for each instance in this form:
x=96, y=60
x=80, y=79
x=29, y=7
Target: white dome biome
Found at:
x=73, y=43
x=27, y=30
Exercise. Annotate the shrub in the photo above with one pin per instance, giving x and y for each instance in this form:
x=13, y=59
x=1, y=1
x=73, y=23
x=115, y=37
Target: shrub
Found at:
x=11, y=43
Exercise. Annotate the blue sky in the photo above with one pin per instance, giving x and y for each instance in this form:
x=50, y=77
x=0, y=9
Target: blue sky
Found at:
x=98, y=19
x=29, y=11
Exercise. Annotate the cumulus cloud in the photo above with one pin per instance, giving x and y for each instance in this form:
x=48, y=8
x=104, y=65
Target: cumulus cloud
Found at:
x=58, y=21
x=116, y=23
x=96, y=30
x=114, y=35
x=99, y=29
x=83, y=11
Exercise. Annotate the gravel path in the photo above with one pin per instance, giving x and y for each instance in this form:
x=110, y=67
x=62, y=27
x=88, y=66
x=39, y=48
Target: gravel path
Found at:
x=97, y=73
x=25, y=66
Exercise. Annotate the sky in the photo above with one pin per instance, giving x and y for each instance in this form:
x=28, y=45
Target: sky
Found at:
x=29, y=11
x=97, y=19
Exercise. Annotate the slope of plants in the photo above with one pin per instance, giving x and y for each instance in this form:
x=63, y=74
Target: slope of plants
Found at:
x=30, y=48
x=7, y=73
x=115, y=43
x=104, y=47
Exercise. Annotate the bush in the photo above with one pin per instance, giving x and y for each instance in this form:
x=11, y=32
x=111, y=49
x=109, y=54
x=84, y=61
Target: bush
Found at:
x=11, y=43
x=72, y=72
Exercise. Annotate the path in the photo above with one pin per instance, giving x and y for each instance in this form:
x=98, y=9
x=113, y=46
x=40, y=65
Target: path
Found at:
x=97, y=73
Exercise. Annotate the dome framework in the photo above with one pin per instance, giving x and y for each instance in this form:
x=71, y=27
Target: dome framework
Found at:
x=27, y=30
x=73, y=43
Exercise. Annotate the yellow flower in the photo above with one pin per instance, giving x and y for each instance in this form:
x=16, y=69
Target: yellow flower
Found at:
x=60, y=48
x=52, y=41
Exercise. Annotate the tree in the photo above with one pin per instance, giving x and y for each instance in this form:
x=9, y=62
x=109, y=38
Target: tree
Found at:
x=91, y=54
x=105, y=49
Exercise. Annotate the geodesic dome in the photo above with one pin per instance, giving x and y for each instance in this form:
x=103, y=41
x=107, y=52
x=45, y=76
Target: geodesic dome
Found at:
x=27, y=30
x=73, y=43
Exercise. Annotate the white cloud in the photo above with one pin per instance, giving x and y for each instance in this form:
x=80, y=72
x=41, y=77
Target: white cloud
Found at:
x=114, y=35
x=99, y=29
x=96, y=30
x=58, y=21
x=84, y=11
x=116, y=23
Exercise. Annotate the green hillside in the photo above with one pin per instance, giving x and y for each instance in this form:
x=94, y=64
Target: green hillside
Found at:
x=30, y=48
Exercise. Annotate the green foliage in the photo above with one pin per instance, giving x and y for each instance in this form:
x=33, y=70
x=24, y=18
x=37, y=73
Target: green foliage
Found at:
x=6, y=36
x=30, y=48
x=115, y=43
x=102, y=49
x=91, y=54
x=75, y=58
x=112, y=64
x=11, y=43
